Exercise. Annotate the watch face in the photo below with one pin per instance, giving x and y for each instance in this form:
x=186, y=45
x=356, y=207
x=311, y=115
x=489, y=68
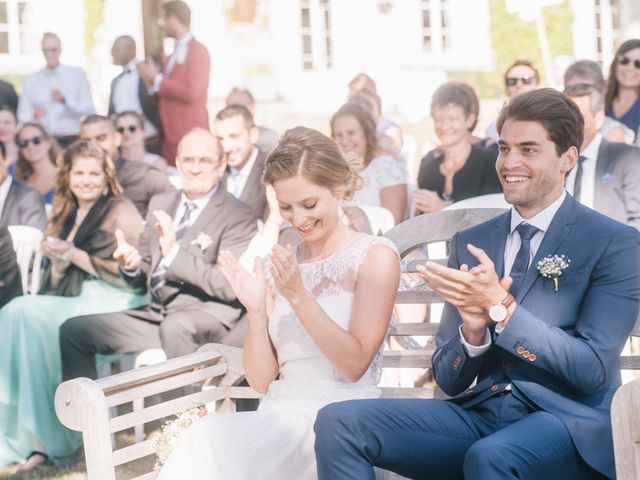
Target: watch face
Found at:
x=498, y=312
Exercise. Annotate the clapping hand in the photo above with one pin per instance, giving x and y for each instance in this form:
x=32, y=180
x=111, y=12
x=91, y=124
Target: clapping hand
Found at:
x=166, y=230
x=126, y=254
x=286, y=273
x=427, y=201
x=250, y=289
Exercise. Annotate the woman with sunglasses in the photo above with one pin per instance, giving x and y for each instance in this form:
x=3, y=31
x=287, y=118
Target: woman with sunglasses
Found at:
x=622, y=100
x=130, y=125
x=8, y=129
x=36, y=165
x=81, y=278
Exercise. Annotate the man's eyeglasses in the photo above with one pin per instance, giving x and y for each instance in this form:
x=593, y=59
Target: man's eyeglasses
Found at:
x=513, y=81
x=37, y=140
x=130, y=128
x=624, y=60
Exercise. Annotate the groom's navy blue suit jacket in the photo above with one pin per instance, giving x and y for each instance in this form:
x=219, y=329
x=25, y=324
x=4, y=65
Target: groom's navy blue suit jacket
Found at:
x=560, y=349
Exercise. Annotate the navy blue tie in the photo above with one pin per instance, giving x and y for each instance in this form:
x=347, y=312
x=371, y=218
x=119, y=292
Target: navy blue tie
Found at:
x=521, y=263
x=577, y=185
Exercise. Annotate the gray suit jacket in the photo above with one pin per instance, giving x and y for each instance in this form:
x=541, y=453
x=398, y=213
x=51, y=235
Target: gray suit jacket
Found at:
x=193, y=280
x=617, y=182
x=140, y=182
x=253, y=194
x=23, y=206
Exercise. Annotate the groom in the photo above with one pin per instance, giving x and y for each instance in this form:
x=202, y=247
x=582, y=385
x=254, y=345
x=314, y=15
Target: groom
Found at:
x=532, y=368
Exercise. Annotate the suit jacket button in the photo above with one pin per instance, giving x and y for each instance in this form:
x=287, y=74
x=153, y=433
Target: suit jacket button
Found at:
x=520, y=350
x=532, y=357
x=494, y=388
x=509, y=365
x=526, y=354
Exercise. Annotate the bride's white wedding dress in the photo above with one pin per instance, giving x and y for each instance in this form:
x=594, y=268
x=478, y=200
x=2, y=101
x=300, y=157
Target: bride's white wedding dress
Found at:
x=276, y=441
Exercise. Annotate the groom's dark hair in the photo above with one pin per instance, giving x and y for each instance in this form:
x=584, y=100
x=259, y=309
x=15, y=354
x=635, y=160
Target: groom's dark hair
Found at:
x=557, y=113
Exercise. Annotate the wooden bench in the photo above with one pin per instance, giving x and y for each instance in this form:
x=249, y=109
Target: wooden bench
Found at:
x=84, y=405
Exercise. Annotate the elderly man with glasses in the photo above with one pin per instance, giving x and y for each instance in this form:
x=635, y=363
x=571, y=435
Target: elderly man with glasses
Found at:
x=176, y=263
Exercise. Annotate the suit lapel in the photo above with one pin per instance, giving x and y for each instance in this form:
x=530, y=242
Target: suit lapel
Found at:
x=558, y=230
x=9, y=203
x=252, y=185
x=499, y=241
x=602, y=164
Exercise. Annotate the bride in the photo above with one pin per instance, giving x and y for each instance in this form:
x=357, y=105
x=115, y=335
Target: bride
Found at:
x=315, y=340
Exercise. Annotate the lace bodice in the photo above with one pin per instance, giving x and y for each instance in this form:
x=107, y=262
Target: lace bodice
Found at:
x=332, y=282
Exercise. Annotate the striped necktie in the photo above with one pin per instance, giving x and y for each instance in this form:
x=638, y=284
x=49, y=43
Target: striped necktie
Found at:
x=157, y=278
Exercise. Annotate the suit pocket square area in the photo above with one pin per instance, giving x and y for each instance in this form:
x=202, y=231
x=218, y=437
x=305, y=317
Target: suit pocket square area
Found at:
x=607, y=177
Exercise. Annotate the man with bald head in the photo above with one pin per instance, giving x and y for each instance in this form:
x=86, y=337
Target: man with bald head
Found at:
x=191, y=303
x=129, y=93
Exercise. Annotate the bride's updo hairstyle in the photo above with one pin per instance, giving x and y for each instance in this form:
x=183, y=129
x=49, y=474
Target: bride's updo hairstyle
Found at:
x=317, y=158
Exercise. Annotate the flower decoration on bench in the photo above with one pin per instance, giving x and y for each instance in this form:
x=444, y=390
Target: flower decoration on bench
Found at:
x=172, y=431
x=552, y=267
x=203, y=241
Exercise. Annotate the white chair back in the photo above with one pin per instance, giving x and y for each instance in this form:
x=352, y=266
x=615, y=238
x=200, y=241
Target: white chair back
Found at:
x=27, y=244
x=380, y=219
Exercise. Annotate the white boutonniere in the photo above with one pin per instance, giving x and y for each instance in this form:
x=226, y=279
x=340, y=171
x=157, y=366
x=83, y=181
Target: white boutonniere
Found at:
x=552, y=267
x=203, y=241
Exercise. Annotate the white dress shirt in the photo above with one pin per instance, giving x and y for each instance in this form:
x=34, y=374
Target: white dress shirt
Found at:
x=542, y=220
x=126, y=98
x=590, y=153
x=4, y=191
x=237, y=179
x=60, y=119
x=179, y=56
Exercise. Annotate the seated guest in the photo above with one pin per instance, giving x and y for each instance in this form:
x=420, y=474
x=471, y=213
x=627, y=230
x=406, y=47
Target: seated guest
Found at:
x=521, y=77
x=37, y=155
x=130, y=126
x=622, y=100
x=191, y=302
x=10, y=282
x=370, y=101
x=19, y=204
x=267, y=138
x=139, y=181
x=238, y=135
x=531, y=360
x=385, y=179
x=365, y=85
x=8, y=130
x=607, y=175
x=81, y=278
x=8, y=95
x=457, y=169
x=588, y=72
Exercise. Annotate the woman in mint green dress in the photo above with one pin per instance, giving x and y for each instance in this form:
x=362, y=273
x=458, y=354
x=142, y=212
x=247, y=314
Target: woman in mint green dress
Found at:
x=81, y=279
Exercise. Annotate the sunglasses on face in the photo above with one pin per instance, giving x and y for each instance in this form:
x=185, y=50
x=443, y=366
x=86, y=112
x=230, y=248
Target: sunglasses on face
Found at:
x=624, y=60
x=513, y=81
x=130, y=128
x=37, y=140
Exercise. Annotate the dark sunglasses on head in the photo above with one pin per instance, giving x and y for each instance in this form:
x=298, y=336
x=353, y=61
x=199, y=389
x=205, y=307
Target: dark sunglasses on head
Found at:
x=131, y=128
x=624, y=60
x=37, y=140
x=513, y=81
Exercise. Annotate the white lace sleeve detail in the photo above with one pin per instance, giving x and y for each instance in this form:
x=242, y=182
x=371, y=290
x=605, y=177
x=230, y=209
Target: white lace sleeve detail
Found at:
x=372, y=240
x=388, y=171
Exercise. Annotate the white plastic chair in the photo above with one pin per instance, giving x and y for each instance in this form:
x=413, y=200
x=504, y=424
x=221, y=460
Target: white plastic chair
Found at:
x=380, y=219
x=27, y=242
x=491, y=200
